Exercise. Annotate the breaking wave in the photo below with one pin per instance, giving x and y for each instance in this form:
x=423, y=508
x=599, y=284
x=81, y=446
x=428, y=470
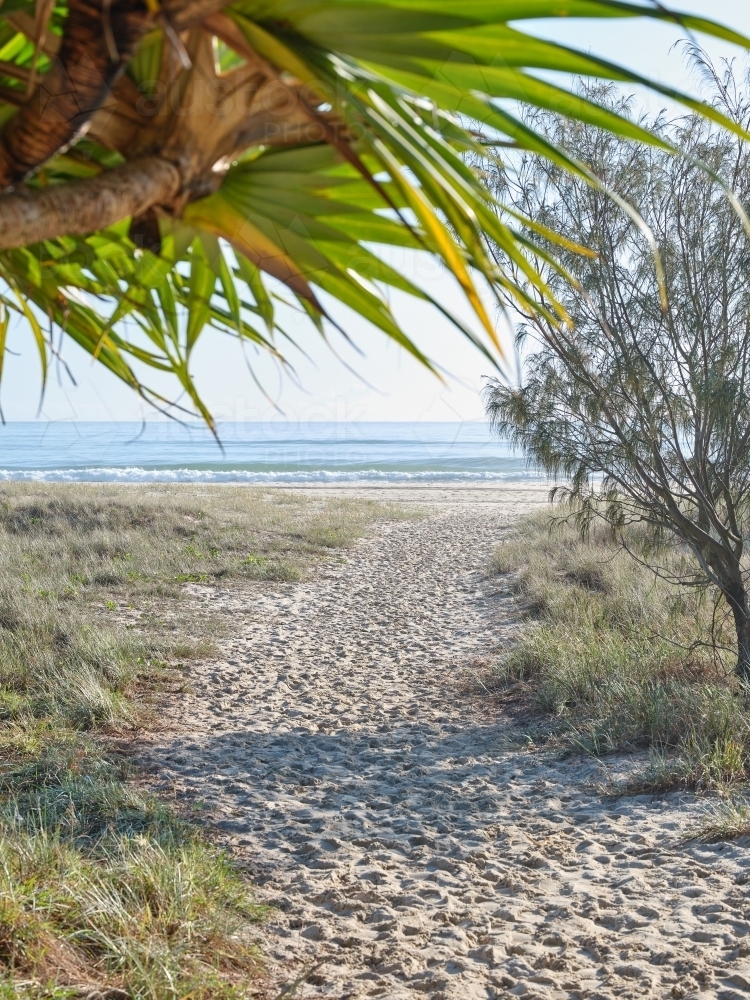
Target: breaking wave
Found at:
x=135, y=474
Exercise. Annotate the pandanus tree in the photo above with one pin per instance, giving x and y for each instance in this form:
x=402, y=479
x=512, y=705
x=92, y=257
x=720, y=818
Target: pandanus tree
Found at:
x=160, y=159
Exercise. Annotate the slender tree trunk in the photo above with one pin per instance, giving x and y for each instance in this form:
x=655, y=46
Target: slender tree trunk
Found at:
x=738, y=601
x=81, y=207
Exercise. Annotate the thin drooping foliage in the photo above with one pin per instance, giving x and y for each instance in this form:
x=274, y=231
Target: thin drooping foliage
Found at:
x=160, y=160
x=643, y=405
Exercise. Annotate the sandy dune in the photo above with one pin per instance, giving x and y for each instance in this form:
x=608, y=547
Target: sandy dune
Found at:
x=407, y=842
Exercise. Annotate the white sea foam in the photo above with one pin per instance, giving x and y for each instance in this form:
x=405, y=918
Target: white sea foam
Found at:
x=135, y=474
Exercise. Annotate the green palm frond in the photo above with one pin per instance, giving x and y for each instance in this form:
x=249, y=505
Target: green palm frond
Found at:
x=307, y=135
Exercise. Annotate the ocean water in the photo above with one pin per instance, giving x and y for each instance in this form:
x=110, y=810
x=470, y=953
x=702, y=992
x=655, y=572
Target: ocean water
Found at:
x=276, y=451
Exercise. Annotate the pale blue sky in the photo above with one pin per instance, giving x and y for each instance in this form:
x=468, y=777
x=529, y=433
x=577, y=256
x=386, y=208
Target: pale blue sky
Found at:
x=402, y=390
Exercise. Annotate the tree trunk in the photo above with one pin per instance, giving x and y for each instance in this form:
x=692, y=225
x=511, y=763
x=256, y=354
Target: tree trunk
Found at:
x=99, y=41
x=738, y=602
x=82, y=207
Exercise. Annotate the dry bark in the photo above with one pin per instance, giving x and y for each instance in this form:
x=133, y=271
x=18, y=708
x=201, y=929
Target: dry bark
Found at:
x=76, y=86
x=184, y=14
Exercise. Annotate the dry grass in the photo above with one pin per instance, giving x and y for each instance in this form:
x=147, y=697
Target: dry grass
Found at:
x=614, y=659
x=102, y=890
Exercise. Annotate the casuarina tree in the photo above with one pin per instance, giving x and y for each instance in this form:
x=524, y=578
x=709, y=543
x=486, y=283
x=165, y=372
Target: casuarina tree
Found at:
x=636, y=372
x=160, y=160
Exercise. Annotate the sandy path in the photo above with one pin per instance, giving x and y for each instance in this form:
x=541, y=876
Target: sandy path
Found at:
x=403, y=838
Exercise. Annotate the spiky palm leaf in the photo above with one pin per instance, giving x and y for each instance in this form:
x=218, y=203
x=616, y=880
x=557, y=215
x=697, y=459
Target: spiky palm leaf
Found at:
x=161, y=159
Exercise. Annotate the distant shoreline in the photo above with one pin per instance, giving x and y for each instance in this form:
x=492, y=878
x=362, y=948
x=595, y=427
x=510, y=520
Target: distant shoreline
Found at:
x=403, y=490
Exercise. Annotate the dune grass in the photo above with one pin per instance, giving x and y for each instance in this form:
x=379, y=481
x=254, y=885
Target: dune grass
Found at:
x=729, y=819
x=104, y=892
x=613, y=659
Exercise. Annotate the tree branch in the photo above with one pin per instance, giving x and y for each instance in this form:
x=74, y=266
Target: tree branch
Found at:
x=82, y=207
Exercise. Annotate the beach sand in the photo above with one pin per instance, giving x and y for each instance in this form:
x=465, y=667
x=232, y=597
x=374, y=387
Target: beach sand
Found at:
x=342, y=747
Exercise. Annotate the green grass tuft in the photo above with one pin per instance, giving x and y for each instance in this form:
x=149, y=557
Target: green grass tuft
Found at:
x=728, y=820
